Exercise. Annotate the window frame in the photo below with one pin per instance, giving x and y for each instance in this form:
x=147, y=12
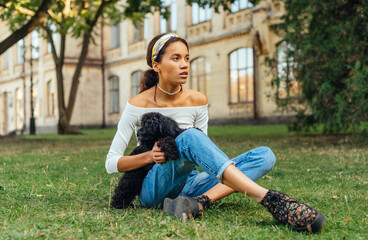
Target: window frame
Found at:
x=170, y=26
x=112, y=108
x=246, y=97
x=208, y=13
x=35, y=45
x=239, y=6
x=141, y=29
x=20, y=51
x=115, y=36
x=198, y=76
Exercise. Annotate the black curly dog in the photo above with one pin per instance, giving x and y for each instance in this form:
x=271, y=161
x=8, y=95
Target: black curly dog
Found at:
x=155, y=127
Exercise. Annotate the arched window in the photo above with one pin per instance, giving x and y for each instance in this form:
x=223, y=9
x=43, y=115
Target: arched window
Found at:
x=136, y=80
x=198, y=74
x=114, y=94
x=241, y=76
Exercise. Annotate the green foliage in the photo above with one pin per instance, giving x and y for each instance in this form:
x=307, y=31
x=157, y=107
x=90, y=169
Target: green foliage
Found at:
x=14, y=12
x=74, y=18
x=330, y=60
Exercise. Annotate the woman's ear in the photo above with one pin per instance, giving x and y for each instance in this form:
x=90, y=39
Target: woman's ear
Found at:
x=155, y=66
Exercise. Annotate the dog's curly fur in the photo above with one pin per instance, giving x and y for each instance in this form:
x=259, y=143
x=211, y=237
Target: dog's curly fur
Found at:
x=154, y=127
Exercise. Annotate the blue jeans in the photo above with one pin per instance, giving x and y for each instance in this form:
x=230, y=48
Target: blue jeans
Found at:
x=180, y=177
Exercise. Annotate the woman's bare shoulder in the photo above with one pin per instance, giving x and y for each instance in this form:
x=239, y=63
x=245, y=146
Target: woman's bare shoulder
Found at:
x=141, y=99
x=197, y=98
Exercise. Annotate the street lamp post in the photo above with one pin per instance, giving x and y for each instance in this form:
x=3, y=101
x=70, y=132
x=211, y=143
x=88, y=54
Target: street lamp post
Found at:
x=23, y=47
x=32, y=124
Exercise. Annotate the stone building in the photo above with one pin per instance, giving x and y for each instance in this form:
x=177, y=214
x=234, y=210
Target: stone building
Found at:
x=227, y=52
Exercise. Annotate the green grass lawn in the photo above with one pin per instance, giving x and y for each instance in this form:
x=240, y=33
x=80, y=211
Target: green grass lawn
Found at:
x=56, y=187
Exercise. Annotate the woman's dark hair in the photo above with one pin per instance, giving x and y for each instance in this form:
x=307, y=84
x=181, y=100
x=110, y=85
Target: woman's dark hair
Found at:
x=150, y=77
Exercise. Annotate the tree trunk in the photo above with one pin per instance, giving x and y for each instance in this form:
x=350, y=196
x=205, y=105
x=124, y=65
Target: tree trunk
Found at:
x=29, y=27
x=65, y=113
x=64, y=121
x=63, y=126
x=77, y=72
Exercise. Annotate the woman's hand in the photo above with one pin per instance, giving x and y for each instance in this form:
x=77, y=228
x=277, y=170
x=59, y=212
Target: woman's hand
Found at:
x=158, y=156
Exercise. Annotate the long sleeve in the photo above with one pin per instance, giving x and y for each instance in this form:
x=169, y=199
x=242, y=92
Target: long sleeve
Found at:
x=186, y=117
x=201, y=120
x=121, y=140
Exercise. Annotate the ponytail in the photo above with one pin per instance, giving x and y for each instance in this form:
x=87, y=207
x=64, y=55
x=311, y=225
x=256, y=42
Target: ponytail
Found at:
x=149, y=79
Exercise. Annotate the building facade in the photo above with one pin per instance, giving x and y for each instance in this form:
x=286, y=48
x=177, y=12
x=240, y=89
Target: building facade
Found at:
x=227, y=52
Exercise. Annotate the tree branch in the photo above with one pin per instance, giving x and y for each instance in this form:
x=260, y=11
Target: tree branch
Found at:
x=52, y=15
x=23, y=31
x=25, y=11
x=66, y=8
x=51, y=41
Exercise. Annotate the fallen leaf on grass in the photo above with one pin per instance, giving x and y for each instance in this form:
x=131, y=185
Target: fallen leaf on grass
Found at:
x=335, y=197
x=40, y=234
x=347, y=219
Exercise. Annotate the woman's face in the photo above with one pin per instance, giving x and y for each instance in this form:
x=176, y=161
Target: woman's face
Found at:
x=174, y=66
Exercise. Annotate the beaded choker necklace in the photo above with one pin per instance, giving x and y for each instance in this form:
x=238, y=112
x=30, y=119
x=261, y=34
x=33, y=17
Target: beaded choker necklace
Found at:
x=169, y=93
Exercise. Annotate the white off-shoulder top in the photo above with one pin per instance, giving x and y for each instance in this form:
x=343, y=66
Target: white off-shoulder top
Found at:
x=186, y=117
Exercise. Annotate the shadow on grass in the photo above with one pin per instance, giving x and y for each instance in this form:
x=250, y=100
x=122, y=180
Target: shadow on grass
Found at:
x=22, y=139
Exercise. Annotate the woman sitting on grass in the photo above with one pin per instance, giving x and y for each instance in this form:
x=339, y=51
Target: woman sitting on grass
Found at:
x=176, y=185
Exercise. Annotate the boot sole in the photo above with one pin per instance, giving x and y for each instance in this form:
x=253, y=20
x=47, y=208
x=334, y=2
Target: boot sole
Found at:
x=315, y=226
x=182, y=208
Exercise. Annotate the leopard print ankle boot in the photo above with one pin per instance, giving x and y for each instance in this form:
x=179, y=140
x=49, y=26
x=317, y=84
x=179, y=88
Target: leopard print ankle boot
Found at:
x=289, y=211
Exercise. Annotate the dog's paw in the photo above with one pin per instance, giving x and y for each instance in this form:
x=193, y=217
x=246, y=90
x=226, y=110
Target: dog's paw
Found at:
x=168, y=146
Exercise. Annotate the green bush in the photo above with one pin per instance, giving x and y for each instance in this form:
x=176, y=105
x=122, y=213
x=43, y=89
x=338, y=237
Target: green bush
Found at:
x=328, y=55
